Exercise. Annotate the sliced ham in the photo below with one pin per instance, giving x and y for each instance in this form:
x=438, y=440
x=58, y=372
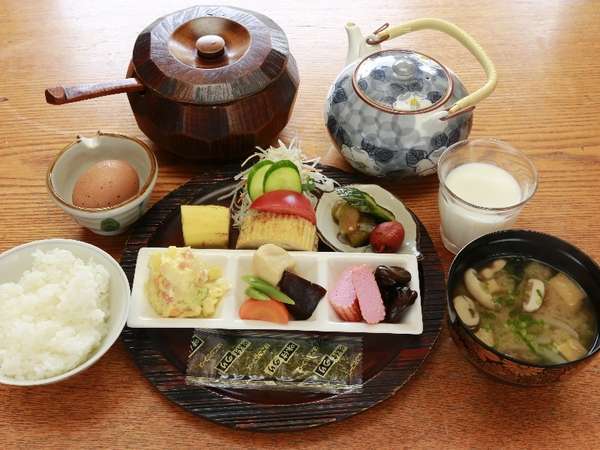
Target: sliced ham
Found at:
x=370, y=302
x=343, y=298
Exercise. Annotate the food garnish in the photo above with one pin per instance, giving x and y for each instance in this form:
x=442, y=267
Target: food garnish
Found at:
x=282, y=175
x=266, y=310
x=387, y=237
x=285, y=202
x=273, y=201
x=267, y=288
x=306, y=295
x=256, y=178
x=311, y=179
x=205, y=226
x=364, y=203
x=180, y=284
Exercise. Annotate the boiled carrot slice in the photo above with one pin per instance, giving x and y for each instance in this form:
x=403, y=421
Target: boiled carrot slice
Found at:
x=267, y=310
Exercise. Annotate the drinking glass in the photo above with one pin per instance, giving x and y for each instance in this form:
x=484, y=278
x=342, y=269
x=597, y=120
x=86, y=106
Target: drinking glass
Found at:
x=461, y=221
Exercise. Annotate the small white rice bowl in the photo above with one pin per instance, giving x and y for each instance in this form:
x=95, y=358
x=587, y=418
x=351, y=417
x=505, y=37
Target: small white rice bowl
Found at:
x=56, y=314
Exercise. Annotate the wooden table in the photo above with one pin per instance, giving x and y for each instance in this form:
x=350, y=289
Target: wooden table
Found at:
x=547, y=103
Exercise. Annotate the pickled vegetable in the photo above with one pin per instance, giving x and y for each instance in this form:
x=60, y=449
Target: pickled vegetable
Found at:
x=365, y=203
x=354, y=226
x=387, y=237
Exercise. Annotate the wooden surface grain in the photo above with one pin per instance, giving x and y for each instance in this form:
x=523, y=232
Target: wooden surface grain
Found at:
x=547, y=103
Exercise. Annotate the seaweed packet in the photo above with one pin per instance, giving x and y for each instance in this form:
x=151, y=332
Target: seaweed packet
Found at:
x=275, y=361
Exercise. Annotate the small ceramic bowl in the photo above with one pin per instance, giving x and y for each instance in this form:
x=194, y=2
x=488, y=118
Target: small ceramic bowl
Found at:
x=328, y=229
x=542, y=247
x=78, y=156
x=14, y=262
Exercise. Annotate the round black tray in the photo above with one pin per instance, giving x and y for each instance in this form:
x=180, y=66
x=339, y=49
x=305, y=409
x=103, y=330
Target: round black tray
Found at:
x=389, y=360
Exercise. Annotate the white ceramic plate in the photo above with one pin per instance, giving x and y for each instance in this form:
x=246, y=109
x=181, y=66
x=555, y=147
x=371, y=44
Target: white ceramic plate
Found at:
x=323, y=268
x=328, y=229
x=16, y=261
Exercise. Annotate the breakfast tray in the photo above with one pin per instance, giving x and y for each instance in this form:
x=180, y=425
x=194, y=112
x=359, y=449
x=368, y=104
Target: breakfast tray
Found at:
x=161, y=354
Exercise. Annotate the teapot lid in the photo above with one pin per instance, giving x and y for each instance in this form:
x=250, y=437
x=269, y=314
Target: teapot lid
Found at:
x=210, y=54
x=402, y=81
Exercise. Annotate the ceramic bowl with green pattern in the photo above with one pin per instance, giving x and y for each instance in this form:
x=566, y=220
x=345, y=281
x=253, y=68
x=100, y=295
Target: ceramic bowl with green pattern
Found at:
x=80, y=155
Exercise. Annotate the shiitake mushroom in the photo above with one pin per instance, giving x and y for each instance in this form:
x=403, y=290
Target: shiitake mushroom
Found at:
x=399, y=299
x=387, y=276
x=397, y=296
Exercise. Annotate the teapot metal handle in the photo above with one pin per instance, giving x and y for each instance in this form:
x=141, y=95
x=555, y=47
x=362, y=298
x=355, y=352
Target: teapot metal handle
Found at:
x=467, y=103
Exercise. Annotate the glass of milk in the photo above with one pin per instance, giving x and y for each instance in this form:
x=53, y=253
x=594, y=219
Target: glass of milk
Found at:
x=484, y=184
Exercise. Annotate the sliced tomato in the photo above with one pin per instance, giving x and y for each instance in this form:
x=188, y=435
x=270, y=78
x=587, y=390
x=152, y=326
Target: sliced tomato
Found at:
x=286, y=202
x=267, y=310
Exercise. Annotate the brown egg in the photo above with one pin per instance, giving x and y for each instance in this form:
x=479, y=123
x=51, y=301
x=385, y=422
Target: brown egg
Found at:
x=106, y=183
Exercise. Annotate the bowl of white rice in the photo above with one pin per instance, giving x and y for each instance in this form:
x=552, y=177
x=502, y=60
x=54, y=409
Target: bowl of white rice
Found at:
x=63, y=303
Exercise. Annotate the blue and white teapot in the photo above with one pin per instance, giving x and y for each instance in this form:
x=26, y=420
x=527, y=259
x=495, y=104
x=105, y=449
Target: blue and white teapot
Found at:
x=394, y=112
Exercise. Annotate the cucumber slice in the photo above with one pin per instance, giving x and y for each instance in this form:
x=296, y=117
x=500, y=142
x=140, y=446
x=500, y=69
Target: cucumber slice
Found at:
x=283, y=175
x=256, y=178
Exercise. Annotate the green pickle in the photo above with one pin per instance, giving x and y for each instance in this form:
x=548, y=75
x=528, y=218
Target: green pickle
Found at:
x=277, y=361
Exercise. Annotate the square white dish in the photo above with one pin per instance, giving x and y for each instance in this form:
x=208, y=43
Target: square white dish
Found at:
x=322, y=268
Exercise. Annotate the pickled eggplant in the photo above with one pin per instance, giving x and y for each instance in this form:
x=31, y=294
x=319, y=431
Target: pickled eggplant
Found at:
x=305, y=294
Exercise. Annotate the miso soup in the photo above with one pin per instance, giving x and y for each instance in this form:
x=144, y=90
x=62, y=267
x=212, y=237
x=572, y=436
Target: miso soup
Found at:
x=527, y=310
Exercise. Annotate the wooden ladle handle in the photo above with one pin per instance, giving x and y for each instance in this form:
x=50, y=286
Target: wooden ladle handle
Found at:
x=68, y=94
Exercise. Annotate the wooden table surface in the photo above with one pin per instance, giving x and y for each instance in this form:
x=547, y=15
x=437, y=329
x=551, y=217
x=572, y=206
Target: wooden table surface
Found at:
x=547, y=103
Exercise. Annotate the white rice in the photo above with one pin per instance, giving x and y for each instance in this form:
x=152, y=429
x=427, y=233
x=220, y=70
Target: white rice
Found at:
x=54, y=317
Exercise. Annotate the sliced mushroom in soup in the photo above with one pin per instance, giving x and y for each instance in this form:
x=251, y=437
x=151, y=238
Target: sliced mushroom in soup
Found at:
x=527, y=310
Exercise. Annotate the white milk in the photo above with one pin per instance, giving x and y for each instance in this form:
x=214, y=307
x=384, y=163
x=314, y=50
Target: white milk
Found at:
x=484, y=185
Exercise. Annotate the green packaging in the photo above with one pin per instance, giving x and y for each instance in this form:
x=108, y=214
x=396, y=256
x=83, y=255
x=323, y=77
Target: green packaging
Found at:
x=275, y=360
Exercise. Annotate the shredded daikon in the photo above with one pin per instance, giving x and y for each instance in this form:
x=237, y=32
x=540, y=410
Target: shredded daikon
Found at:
x=311, y=177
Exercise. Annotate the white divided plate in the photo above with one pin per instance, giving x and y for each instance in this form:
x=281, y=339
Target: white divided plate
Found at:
x=328, y=229
x=323, y=268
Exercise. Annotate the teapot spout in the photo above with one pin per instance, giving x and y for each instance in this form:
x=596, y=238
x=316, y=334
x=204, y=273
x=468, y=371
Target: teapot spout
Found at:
x=357, y=44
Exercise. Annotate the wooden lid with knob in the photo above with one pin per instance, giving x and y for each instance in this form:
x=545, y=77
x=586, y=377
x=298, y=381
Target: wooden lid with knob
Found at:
x=210, y=54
